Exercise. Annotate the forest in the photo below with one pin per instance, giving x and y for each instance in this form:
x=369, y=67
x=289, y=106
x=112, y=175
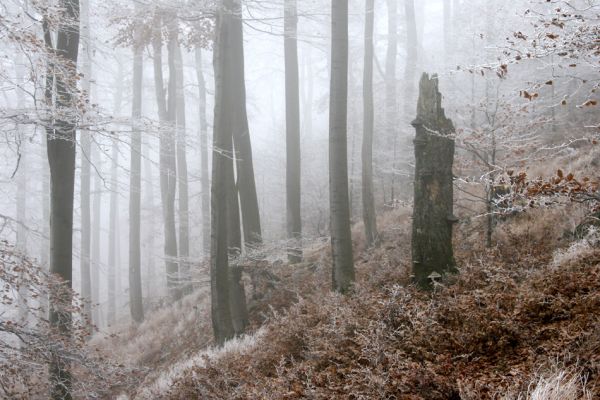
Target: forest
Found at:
x=300, y=199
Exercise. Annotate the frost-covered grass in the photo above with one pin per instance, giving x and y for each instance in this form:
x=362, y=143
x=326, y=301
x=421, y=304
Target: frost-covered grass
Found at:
x=158, y=384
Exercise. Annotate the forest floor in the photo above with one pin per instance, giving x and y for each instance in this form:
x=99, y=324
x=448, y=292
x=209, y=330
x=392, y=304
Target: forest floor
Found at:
x=521, y=320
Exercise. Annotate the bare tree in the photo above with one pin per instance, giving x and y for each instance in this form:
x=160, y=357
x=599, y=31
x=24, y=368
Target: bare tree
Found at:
x=292, y=101
x=136, y=307
x=222, y=168
x=369, y=216
x=168, y=171
x=391, y=101
x=241, y=134
x=204, y=181
x=341, y=237
x=86, y=150
x=61, y=158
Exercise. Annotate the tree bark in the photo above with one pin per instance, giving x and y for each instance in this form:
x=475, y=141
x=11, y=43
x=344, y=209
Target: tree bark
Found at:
x=86, y=150
x=241, y=133
x=182, y=175
x=293, y=150
x=222, y=167
x=61, y=158
x=391, y=102
x=168, y=172
x=204, y=180
x=368, y=199
x=96, y=229
x=136, y=307
x=111, y=314
x=433, y=219
x=341, y=238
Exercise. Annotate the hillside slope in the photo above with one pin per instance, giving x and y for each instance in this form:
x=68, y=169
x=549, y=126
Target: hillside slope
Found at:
x=520, y=320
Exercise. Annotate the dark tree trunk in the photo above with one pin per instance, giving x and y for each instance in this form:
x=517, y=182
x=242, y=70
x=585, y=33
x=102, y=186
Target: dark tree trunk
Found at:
x=341, y=237
x=222, y=169
x=136, y=307
x=241, y=133
x=368, y=199
x=292, y=114
x=61, y=158
x=168, y=172
x=391, y=102
x=433, y=219
x=204, y=181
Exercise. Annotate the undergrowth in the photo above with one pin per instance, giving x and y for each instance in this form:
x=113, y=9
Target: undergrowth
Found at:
x=487, y=333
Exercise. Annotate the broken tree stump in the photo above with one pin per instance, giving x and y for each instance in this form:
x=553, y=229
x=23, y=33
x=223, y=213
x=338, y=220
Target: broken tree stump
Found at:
x=433, y=217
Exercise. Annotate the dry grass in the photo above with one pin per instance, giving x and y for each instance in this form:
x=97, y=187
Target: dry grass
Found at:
x=481, y=335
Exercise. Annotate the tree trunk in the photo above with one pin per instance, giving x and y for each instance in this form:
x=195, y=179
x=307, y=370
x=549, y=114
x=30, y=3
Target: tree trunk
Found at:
x=61, y=158
x=292, y=114
x=182, y=175
x=433, y=219
x=168, y=172
x=112, y=240
x=341, y=238
x=86, y=150
x=204, y=181
x=96, y=229
x=391, y=102
x=149, y=228
x=136, y=307
x=222, y=168
x=368, y=199
x=241, y=133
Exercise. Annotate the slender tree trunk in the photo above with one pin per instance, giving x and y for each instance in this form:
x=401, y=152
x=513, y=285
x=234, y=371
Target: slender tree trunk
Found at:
x=241, y=133
x=182, y=174
x=136, y=307
x=292, y=101
x=96, y=229
x=341, y=237
x=222, y=168
x=391, y=102
x=112, y=240
x=204, y=180
x=45, y=244
x=61, y=158
x=168, y=172
x=150, y=221
x=433, y=219
x=368, y=199
x=86, y=154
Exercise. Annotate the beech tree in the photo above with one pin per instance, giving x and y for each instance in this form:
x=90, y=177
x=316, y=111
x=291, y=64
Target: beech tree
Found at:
x=292, y=101
x=168, y=169
x=135, y=184
x=61, y=157
x=369, y=216
x=222, y=168
x=205, y=184
x=339, y=204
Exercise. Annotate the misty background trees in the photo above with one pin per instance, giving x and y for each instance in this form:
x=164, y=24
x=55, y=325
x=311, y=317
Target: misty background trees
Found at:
x=153, y=149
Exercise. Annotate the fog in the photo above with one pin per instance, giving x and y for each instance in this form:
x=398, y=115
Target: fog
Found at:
x=518, y=79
